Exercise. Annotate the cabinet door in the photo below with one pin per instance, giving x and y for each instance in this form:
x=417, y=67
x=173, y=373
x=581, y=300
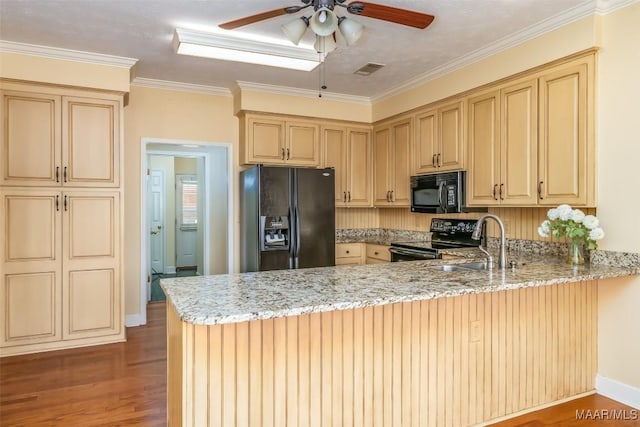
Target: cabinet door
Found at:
x=381, y=166
x=401, y=169
x=519, y=139
x=359, y=167
x=426, y=142
x=483, y=158
x=303, y=144
x=30, y=151
x=91, y=141
x=92, y=297
x=334, y=141
x=30, y=274
x=564, y=167
x=265, y=141
x=450, y=128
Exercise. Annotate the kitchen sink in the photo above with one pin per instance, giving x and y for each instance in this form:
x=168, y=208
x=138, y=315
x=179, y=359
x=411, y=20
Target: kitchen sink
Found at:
x=468, y=266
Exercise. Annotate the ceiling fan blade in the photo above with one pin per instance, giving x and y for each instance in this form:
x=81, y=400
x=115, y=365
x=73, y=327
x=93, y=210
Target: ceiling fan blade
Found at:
x=391, y=14
x=253, y=18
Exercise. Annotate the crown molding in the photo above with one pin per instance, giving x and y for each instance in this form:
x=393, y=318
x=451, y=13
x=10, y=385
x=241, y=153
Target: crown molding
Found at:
x=604, y=7
x=546, y=26
x=306, y=93
x=180, y=87
x=66, y=54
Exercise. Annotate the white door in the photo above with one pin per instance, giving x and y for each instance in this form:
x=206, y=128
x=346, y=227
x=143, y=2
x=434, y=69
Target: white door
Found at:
x=186, y=220
x=156, y=220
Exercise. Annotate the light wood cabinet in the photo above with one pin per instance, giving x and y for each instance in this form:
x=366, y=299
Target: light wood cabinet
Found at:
x=350, y=253
x=276, y=140
x=75, y=143
x=377, y=254
x=61, y=275
x=566, y=149
x=348, y=151
x=439, y=140
x=531, y=141
x=391, y=153
x=60, y=260
x=502, y=146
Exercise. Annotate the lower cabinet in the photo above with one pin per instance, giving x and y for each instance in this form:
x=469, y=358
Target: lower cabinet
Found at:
x=350, y=253
x=61, y=280
x=377, y=254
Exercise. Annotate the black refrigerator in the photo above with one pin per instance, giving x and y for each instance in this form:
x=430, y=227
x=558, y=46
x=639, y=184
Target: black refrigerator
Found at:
x=287, y=218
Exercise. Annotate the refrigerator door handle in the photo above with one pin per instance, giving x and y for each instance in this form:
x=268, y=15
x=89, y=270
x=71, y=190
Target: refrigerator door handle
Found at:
x=291, y=242
x=297, y=252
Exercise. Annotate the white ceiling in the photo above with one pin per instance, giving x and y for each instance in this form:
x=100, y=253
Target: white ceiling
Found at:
x=144, y=29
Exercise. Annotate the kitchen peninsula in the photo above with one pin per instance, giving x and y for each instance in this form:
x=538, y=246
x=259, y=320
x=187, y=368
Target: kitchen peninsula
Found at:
x=383, y=344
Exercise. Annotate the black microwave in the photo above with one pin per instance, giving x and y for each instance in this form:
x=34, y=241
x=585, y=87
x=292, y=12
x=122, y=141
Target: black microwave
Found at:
x=440, y=193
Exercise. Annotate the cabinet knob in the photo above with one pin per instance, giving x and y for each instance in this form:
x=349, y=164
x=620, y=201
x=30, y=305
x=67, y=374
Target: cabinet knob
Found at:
x=375, y=253
x=347, y=251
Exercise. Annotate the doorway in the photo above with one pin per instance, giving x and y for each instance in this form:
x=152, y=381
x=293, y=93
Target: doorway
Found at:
x=186, y=221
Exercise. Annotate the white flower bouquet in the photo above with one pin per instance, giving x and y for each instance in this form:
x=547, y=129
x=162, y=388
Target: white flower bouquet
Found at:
x=564, y=221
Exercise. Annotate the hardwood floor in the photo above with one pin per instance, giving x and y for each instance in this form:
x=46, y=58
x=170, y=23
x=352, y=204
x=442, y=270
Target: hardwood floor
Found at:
x=595, y=410
x=125, y=385
x=109, y=385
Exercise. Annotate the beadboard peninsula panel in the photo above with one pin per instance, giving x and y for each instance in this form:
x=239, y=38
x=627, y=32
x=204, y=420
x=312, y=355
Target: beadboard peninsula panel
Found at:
x=448, y=361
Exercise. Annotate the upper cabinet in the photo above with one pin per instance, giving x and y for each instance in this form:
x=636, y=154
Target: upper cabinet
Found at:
x=275, y=140
x=531, y=141
x=502, y=146
x=348, y=150
x=392, y=171
x=439, y=141
x=566, y=149
x=76, y=142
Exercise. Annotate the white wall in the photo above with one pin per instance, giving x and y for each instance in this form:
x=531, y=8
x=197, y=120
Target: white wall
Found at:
x=619, y=192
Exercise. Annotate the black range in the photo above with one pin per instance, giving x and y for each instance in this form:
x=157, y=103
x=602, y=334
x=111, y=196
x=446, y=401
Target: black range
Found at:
x=446, y=233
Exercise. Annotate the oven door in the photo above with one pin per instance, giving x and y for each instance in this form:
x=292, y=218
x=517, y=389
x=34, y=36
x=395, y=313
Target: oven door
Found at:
x=403, y=254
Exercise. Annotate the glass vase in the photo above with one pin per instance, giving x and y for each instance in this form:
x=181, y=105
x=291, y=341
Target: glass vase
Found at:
x=575, y=255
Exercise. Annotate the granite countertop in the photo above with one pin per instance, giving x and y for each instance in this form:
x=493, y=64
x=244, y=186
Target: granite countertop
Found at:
x=232, y=298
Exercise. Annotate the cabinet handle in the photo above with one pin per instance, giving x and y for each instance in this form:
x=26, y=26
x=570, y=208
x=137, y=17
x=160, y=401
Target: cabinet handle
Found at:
x=433, y=160
x=65, y=204
x=495, y=189
x=438, y=163
x=57, y=203
x=349, y=194
x=387, y=195
x=57, y=173
x=344, y=196
x=501, y=188
x=288, y=154
x=540, y=190
x=391, y=196
x=64, y=174
x=283, y=154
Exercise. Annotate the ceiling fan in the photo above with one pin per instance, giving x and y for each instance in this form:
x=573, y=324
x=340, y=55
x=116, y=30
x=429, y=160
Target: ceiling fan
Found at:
x=370, y=10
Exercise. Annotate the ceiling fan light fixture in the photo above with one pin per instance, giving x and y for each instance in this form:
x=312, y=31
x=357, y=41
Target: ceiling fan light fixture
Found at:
x=295, y=29
x=323, y=22
x=324, y=44
x=351, y=30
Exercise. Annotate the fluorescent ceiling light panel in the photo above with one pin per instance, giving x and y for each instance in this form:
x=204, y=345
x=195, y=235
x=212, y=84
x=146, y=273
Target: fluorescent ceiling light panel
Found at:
x=210, y=45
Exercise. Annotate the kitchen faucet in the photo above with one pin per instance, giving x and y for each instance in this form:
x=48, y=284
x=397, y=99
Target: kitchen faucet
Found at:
x=477, y=230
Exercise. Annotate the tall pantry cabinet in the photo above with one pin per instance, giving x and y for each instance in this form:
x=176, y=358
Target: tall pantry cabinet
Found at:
x=61, y=213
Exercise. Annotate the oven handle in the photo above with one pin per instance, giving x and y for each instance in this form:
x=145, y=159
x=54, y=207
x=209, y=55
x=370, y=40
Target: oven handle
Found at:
x=417, y=254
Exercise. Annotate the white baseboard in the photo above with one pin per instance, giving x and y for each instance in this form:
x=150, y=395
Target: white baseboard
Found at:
x=618, y=391
x=134, y=320
x=170, y=269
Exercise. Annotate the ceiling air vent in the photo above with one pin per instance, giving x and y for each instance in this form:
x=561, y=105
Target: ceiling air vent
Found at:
x=368, y=69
